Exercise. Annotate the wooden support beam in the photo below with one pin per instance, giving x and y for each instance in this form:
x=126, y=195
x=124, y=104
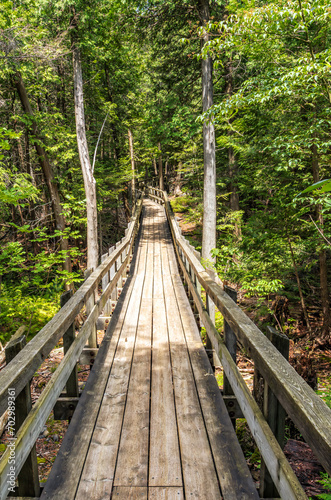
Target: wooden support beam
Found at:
x=68, y=338
x=103, y=322
x=88, y=355
x=231, y=343
x=105, y=281
x=28, y=479
x=64, y=408
x=233, y=407
x=92, y=341
x=274, y=413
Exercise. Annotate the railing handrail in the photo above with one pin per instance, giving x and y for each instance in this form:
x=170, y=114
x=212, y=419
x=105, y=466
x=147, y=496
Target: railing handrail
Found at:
x=16, y=374
x=308, y=411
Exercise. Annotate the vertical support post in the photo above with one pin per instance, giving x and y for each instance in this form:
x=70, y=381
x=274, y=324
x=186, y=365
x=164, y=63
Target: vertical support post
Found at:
x=117, y=266
x=231, y=343
x=274, y=413
x=68, y=338
x=92, y=341
x=123, y=257
x=105, y=281
x=28, y=479
x=210, y=307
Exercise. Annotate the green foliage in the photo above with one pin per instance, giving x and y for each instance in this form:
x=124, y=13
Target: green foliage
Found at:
x=326, y=482
x=18, y=307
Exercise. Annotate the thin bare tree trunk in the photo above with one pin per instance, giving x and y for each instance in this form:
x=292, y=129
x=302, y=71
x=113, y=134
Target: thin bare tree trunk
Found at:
x=303, y=305
x=209, y=188
x=47, y=171
x=322, y=255
x=161, y=181
x=133, y=185
x=155, y=167
x=89, y=180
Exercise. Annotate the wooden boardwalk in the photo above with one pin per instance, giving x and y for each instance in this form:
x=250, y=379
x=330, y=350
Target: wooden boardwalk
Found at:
x=151, y=423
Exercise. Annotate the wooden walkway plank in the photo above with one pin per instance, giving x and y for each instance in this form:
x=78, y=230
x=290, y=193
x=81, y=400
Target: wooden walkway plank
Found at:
x=127, y=493
x=97, y=477
x=199, y=475
x=65, y=474
x=233, y=473
x=165, y=493
x=132, y=462
x=164, y=462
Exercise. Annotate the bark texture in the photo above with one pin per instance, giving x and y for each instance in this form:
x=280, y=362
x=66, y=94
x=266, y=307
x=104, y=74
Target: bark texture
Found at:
x=161, y=180
x=322, y=256
x=209, y=190
x=133, y=182
x=89, y=181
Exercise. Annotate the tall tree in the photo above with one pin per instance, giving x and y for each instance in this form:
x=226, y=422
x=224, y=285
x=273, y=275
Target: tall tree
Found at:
x=209, y=186
x=88, y=175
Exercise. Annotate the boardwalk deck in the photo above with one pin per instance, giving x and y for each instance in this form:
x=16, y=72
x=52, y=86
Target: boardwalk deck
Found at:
x=151, y=423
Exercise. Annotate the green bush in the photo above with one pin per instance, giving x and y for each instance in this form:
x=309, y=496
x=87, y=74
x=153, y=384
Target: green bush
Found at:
x=18, y=308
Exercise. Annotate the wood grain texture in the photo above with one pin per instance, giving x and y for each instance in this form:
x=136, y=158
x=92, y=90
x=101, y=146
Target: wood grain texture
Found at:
x=96, y=481
x=132, y=462
x=65, y=474
x=164, y=466
x=127, y=493
x=165, y=493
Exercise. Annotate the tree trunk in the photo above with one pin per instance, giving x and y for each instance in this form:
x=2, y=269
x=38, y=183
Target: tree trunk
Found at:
x=155, y=167
x=89, y=181
x=161, y=181
x=47, y=171
x=322, y=255
x=303, y=305
x=209, y=188
x=233, y=165
x=133, y=186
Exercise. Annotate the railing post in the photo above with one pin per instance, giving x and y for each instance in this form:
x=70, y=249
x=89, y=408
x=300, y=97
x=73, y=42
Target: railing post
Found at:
x=28, y=479
x=117, y=266
x=231, y=343
x=68, y=338
x=274, y=413
x=105, y=281
x=92, y=341
x=123, y=257
x=112, y=272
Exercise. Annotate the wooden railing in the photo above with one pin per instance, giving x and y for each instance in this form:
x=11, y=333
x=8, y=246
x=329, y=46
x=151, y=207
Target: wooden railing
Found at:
x=306, y=409
x=15, y=377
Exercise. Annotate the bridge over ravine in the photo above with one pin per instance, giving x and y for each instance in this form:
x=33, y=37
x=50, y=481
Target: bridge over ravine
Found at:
x=151, y=422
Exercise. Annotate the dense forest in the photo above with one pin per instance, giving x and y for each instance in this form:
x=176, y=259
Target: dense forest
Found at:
x=225, y=104
x=128, y=79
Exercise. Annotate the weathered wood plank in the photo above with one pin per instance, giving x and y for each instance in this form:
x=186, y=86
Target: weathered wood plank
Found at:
x=165, y=493
x=199, y=475
x=98, y=473
x=164, y=461
x=78, y=436
x=233, y=473
x=132, y=461
x=127, y=493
